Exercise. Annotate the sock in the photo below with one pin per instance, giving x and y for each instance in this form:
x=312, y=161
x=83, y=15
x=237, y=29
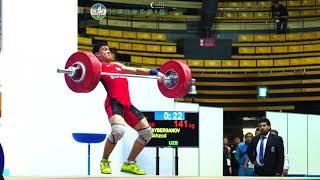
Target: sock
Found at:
x=130, y=162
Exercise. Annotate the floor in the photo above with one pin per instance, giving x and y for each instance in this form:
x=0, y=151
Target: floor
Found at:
x=144, y=177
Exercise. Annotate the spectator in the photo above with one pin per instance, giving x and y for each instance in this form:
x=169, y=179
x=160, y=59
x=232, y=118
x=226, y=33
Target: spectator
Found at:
x=226, y=157
x=286, y=165
x=257, y=132
x=280, y=14
x=266, y=151
x=234, y=162
x=242, y=157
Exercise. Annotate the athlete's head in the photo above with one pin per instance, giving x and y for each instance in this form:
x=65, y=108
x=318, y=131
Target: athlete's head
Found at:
x=102, y=52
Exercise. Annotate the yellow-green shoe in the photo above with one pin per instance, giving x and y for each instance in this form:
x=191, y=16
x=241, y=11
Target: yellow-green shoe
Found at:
x=105, y=167
x=132, y=168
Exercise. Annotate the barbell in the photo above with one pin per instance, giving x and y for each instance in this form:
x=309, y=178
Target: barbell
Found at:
x=83, y=70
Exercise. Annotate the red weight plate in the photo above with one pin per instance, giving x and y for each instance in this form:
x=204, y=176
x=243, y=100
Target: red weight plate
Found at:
x=92, y=72
x=183, y=84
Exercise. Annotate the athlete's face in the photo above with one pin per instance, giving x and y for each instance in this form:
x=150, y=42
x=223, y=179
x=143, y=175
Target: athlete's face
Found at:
x=104, y=54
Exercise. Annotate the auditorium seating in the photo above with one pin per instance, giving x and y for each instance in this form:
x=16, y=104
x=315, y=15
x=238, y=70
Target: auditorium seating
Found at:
x=288, y=64
x=236, y=89
x=126, y=34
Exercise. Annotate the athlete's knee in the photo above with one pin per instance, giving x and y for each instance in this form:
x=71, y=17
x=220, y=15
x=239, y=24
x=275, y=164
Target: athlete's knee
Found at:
x=145, y=135
x=117, y=132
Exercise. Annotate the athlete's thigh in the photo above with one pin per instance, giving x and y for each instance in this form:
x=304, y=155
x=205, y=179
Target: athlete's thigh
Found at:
x=135, y=118
x=114, y=110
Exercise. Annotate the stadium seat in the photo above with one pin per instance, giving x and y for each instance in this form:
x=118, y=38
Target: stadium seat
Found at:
x=114, y=45
x=304, y=61
x=195, y=62
x=261, y=38
x=125, y=46
x=279, y=49
x=161, y=61
x=136, y=59
x=169, y=49
x=263, y=50
x=138, y=47
x=103, y=32
x=222, y=4
x=294, y=49
x=283, y=2
x=233, y=4
x=267, y=62
x=212, y=63
x=245, y=15
x=277, y=37
x=264, y=4
x=317, y=35
x=309, y=12
x=294, y=13
x=84, y=40
x=143, y=35
x=308, y=35
x=129, y=34
x=281, y=62
x=158, y=37
x=246, y=50
x=312, y=47
x=247, y=38
x=264, y=14
x=230, y=63
x=293, y=37
x=153, y=48
x=230, y=15
x=148, y=60
x=248, y=63
x=85, y=48
x=115, y=33
x=293, y=3
x=92, y=31
x=250, y=4
x=308, y=3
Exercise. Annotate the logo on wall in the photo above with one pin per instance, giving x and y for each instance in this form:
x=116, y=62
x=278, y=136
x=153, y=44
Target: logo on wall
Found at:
x=159, y=5
x=98, y=11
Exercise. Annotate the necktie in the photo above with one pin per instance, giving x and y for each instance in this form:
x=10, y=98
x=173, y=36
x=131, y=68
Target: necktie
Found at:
x=261, y=150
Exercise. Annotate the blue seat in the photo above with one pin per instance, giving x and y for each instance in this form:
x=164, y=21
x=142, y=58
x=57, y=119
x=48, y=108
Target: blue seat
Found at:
x=88, y=138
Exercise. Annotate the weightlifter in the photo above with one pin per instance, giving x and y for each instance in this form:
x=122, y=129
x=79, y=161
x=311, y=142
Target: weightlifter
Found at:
x=120, y=110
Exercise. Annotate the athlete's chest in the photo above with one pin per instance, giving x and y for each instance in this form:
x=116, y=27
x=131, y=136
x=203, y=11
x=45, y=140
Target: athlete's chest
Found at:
x=112, y=68
x=116, y=70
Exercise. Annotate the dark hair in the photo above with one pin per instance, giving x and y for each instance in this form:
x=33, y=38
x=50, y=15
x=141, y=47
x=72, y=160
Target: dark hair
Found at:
x=247, y=134
x=275, y=2
x=97, y=46
x=264, y=120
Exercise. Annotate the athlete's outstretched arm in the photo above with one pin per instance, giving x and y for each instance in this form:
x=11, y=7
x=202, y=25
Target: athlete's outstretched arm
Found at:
x=142, y=71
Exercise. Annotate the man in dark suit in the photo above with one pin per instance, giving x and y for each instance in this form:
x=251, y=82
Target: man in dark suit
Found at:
x=266, y=151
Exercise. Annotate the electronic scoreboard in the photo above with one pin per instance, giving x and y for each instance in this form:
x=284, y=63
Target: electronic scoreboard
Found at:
x=173, y=128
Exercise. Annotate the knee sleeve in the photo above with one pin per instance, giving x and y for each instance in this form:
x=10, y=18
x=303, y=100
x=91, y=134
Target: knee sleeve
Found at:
x=117, y=131
x=145, y=135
